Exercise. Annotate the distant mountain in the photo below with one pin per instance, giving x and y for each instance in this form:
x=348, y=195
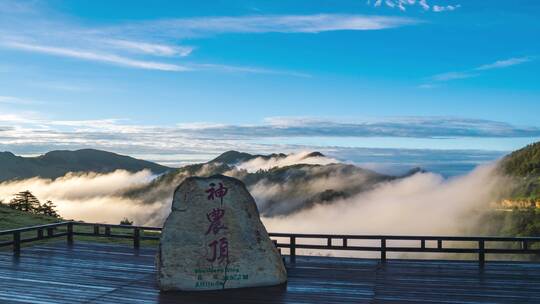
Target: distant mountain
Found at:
x=278, y=190
x=58, y=163
x=234, y=157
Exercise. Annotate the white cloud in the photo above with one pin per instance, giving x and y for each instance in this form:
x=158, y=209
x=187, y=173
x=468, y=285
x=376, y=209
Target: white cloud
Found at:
x=428, y=86
x=438, y=8
x=92, y=56
x=504, y=63
x=245, y=69
x=30, y=133
x=61, y=86
x=424, y=4
x=190, y=27
x=17, y=100
x=303, y=157
x=420, y=204
x=403, y=4
x=474, y=72
x=151, y=48
x=452, y=76
x=39, y=30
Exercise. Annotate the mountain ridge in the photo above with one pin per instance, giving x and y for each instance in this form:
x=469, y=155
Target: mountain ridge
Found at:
x=57, y=163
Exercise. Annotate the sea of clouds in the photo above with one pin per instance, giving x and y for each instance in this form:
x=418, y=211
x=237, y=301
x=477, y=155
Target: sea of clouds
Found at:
x=424, y=203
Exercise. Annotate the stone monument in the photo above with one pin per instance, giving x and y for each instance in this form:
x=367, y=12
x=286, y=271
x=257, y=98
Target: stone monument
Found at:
x=214, y=239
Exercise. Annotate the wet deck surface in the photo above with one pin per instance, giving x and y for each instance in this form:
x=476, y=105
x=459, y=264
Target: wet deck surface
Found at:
x=109, y=273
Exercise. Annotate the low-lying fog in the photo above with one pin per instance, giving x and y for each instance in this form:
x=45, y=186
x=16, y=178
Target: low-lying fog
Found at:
x=424, y=203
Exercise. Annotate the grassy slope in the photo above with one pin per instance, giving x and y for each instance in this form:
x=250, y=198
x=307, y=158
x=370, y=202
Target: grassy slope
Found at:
x=11, y=219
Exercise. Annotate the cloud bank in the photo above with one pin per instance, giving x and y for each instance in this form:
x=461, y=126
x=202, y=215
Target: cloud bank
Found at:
x=89, y=196
x=261, y=163
x=423, y=203
x=420, y=204
x=30, y=134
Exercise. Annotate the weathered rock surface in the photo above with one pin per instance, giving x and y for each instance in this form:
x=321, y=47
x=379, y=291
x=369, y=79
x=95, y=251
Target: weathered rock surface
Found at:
x=214, y=239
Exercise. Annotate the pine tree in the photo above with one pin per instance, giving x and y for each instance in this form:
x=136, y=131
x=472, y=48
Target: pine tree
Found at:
x=126, y=221
x=48, y=208
x=25, y=201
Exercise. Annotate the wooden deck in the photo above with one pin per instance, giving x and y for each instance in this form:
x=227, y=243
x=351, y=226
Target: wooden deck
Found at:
x=111, y=273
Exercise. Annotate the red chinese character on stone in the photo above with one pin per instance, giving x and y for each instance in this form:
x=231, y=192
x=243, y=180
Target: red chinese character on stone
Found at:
x=214, y=217
x=223, y=246
x=220, y=192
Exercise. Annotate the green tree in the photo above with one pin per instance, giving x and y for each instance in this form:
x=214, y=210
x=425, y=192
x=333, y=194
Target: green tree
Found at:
x=126, y=221
x=48, y=208
x=25, y=201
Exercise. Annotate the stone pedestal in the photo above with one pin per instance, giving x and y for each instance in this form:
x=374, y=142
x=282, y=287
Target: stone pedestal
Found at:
x=214, y=239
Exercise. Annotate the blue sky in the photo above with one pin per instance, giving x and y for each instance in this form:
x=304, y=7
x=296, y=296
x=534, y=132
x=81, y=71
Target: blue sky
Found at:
x=176, y=78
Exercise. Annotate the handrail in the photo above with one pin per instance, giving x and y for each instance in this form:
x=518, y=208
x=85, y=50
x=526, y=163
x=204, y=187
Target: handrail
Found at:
x=406, y=237
x=30, y=228
x=383, y=245
x=120, y=226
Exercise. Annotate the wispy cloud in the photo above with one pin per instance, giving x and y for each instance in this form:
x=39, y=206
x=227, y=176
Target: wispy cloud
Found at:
x=475, y=72
x=245, y=69
x=154, y=45
x=150, y=48
x=404, y=4
x=444, y=8
x=92, y=56
x=31, y=133
x=504, y=63
x=189, y=27
x=61, y=86
x=30, y=130
x=452, y=76
x=17, y=100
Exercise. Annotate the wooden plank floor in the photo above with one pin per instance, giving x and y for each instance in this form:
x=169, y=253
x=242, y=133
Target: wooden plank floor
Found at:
x=109, y=273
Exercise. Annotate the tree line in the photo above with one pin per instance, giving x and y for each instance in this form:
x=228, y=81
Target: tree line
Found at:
x=26, y=201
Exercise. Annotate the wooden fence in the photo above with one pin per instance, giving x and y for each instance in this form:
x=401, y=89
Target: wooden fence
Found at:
x=379, y=243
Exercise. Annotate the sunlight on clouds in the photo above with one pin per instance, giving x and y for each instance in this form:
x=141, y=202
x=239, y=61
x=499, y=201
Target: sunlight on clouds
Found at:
x=304, y=157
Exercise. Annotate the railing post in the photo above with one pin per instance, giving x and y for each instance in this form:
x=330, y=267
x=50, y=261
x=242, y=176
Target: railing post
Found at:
x=16, y=242
x=329, y=242
x=524, y=245
x=481, y=254
x=345, y=242
x=439, y=244
x=70, y=234
x=383, y=250
x=107, y=231
x=136, y=238
x=40, y=234
x=292, y=252
x=96, y=229
x=423, y=244
x=50, y=232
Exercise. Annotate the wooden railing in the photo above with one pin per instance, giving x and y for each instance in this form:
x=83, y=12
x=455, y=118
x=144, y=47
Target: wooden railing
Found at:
x=66, y=229
x=378, y=243
x=383, y=244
